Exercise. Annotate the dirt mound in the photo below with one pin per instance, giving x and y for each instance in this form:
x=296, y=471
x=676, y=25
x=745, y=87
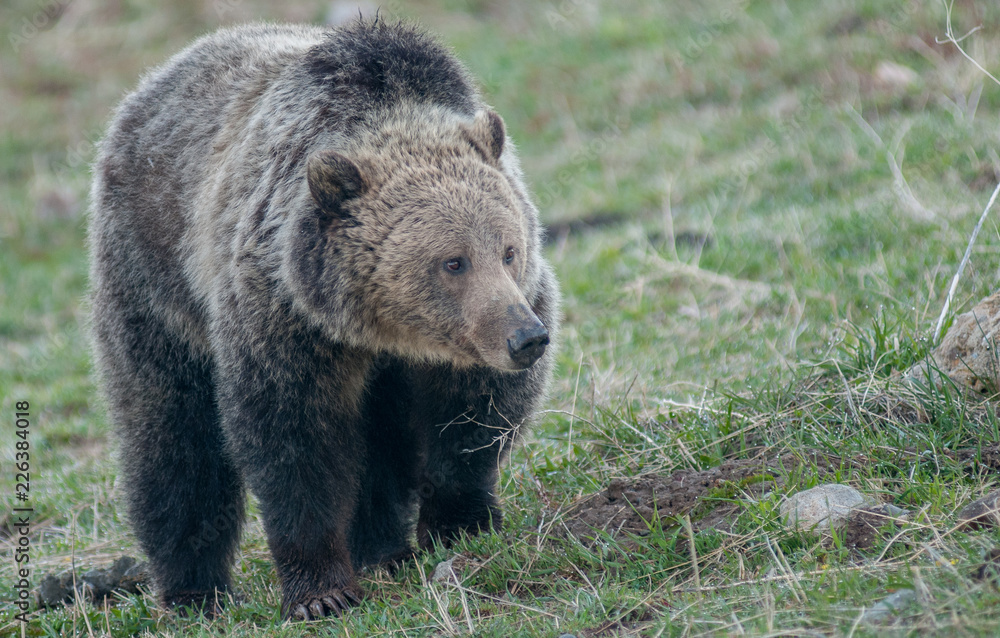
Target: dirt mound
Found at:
x=634, y=507
x=125, y=576
x=988, y=456
x=868, y=527
x=967, y=354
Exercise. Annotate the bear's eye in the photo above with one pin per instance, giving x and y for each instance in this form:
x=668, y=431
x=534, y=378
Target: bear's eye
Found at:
x=509, y=255
x=455, y=265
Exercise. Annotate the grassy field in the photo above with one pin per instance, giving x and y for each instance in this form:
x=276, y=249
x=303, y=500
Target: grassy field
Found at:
x=755, y=210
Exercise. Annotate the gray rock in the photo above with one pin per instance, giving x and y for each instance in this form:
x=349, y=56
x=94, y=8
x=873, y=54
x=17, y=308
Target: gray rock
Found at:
x=822, y=508
x=891, y=511
x=889, y=607
x=444, y=571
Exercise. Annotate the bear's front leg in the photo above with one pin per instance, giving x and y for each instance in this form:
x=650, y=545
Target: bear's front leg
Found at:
x=289, y=400
x=471, y=418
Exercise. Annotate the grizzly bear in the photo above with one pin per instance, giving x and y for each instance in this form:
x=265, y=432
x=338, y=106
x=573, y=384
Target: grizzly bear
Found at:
x=316, y=272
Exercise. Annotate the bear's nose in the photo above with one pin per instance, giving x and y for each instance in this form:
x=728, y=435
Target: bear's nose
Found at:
x=526, y=345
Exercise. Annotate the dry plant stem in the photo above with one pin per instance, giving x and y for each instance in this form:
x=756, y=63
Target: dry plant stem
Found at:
x=693, y=550
x=501, y=601
x=961, y=266
x=572, y=411
x=950, y=37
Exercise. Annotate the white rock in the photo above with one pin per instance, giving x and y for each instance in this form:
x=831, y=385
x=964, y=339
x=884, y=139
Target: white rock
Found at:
x=891, y=75
x=445, y=571
x=823, y=508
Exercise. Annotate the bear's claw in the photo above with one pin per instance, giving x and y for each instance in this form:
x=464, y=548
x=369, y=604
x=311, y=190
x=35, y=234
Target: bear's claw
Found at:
x=334, y=603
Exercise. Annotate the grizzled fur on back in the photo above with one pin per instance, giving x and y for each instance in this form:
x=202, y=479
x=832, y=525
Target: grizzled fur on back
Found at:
x=385, y=66
x=316, y=272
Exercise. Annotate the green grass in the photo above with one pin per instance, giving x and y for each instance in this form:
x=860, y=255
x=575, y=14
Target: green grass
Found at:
x=763, y=287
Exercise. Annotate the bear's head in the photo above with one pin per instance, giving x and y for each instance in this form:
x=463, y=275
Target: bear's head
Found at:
x=420, y=243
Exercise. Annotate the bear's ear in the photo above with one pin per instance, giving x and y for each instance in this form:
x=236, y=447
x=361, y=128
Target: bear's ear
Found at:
x=333, y=178
x=487, y=134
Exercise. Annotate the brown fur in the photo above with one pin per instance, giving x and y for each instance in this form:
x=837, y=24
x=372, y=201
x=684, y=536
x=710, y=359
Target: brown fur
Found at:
x=316, y=271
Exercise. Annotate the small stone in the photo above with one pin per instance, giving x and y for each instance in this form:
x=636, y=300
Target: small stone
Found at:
x=982, y=513
x=822, y=508
x=891, y=511
x=890, y=75
x=444, y=571
x=889, y=607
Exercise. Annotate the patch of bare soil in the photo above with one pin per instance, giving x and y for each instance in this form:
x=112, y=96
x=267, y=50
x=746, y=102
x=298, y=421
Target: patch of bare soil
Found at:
x=632, y=507
x=989, y=571
x=868, y=527
x=862, y=530
x=988, y=456
x=125, y=576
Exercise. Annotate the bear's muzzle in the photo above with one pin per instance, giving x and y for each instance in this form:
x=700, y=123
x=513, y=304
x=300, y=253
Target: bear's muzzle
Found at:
x=528, y=341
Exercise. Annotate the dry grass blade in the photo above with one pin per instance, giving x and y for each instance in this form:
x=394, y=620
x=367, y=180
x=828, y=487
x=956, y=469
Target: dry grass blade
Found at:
x=961, y=266
x=902, y=188
x=693, y=550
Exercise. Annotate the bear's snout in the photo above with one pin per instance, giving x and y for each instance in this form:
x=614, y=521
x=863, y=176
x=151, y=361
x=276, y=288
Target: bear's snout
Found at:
x=528, y=341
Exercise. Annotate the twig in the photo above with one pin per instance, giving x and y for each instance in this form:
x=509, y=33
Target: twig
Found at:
x=950, y=37
x=572, y=410
x=794, y=582
x=643, y=435
x=447, y=625
x=961, y=266
x=500, y=601
x=597, y=596
x=701, y=407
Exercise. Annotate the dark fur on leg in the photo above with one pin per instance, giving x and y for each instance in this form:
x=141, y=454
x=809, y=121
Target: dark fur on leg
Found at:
x=386, y=504
x=470, y=430
x=183, y=495
x=292, y=417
